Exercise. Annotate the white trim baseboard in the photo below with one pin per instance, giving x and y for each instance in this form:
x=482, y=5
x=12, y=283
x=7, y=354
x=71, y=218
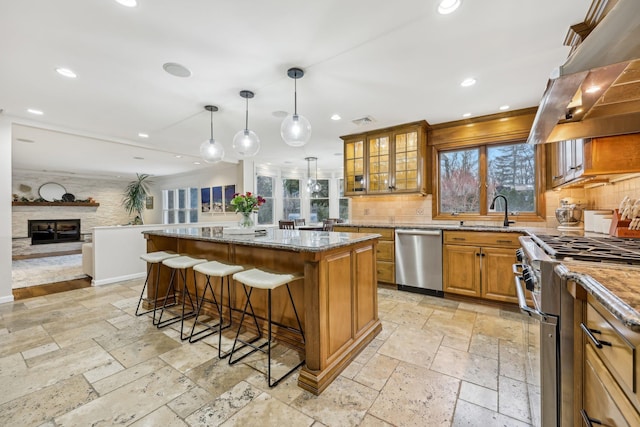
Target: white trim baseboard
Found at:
x=8, y=298
x=118, y=279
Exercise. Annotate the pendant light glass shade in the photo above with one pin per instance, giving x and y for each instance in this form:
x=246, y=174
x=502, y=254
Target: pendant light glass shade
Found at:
x=313, y=186
x=210, y=150
x=295, y=129
x=246, y=143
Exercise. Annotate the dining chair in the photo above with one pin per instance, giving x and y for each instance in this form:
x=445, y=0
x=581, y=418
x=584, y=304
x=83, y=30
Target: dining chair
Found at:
x=299, y=221
x=286, y=225
x=327, y=224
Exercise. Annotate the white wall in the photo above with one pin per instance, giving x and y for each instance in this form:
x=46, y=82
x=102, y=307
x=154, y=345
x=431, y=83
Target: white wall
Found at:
x=5, y=210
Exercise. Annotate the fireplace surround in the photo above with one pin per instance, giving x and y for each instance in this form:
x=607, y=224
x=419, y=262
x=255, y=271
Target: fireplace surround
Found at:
x=44, y=231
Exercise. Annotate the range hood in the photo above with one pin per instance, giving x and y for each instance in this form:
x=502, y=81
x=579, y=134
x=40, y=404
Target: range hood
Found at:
x=597, y=91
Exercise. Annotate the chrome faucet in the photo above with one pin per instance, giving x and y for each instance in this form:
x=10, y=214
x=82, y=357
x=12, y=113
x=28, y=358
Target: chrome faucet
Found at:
x=506, y=209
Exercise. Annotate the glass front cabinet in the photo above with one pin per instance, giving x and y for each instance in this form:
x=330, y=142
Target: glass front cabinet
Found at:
x=384, y=161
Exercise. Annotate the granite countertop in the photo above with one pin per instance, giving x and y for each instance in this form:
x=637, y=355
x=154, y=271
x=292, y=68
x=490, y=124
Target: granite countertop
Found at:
x=615, y=286
x=291, y=240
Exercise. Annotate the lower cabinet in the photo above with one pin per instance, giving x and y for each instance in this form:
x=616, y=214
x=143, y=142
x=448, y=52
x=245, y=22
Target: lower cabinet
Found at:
x=610, y=369
x=479, y=264
x=385, y=255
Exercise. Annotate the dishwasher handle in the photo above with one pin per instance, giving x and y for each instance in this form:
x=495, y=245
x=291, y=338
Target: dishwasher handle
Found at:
x=419, y=232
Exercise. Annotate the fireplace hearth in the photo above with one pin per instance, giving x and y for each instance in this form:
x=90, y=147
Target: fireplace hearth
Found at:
x=44, y=231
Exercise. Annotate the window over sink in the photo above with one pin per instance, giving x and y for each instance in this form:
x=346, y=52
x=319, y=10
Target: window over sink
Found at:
x=470, y=177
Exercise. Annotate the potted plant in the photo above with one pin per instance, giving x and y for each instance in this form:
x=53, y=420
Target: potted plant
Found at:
x=135, y=195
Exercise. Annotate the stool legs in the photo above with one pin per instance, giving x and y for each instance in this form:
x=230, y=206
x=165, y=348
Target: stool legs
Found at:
x=218, y=327
x=185, y=294
x=144, y=288
x=269, y=336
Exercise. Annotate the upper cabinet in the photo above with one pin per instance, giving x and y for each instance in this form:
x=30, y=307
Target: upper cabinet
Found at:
x=566, y=161
x=386, y=161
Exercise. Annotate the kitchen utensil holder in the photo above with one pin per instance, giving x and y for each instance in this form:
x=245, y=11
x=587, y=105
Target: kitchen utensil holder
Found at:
x=620, y=228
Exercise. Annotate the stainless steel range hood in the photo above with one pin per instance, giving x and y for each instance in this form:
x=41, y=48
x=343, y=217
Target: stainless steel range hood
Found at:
x=597, y=91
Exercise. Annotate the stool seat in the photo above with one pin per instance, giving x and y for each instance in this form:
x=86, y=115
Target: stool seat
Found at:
x=159, y=256
x=182, y=261
x=265, y=280
x=152, y=258
x=217, y=269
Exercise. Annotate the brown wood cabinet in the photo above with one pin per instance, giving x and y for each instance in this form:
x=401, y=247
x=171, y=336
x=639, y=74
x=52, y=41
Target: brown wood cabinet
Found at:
x=610, y=371
x=566, y=161
x=385, y=252
x=390, y=160
x=479, y=264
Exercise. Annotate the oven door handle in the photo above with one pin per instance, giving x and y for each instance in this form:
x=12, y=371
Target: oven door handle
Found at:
x=522, y=302
x=517, y=269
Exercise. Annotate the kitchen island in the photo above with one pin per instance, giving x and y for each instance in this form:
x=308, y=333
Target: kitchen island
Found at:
x=337, y=298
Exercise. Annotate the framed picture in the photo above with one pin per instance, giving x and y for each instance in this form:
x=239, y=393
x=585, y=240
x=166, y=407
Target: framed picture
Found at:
x=229, y=191
x=149, y=202
x=205, y=199
x=216, y=200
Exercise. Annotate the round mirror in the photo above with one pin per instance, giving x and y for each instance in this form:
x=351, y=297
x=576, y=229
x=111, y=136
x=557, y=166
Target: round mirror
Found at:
x=51, y=191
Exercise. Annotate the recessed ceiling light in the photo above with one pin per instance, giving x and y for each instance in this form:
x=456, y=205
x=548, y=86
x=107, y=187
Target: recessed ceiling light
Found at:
x=280, y=114
x=592, y=89
x=466, y=115
x=143, y=135
x=36, y=112
x=178, y=156
x=139, y=158
x=337, y=154
x=66, y=72
x=196, y=163
x=447, y=6
x=468, y=82
x=128, y=3
x=504, y=107
x=336, y=117
x=176, y=69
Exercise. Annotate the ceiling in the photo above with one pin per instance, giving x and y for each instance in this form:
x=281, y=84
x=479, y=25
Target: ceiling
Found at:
x=396, y=62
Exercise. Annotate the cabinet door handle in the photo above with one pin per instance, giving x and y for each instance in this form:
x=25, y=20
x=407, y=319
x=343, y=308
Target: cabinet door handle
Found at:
x=589, y=332
x=558, y=177
x=588, y=421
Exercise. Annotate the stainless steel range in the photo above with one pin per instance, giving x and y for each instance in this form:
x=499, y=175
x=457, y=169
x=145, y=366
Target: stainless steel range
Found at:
x=551, y=351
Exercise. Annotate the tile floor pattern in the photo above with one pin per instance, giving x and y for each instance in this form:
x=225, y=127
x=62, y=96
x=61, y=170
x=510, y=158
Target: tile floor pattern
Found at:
x=38, y=271
x=82, y=358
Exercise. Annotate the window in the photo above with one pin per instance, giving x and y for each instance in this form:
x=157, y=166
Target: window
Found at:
x=180, y=206
x=469, y=179
x=319, y=202
x=290, y=199
x=264, y=187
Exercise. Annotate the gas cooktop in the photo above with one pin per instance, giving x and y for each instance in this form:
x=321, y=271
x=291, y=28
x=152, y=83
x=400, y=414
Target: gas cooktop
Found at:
x=603, y=249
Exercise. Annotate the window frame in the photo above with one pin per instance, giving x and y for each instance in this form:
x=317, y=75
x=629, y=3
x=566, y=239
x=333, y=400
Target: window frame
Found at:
x=537, y=216
x=271, y=198
x=177, y=210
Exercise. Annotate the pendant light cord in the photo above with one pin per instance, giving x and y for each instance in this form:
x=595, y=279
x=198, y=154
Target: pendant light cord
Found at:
x=316, y=170
x=246, y=116
x=295, y=96
x=211, y=124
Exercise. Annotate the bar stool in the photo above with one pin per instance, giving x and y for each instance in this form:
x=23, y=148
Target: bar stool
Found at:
x=180, y=264
x=153, y=258
x=221, y=270
x=256, y=278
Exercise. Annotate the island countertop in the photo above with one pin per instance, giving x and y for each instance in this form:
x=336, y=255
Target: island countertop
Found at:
x=293, y=240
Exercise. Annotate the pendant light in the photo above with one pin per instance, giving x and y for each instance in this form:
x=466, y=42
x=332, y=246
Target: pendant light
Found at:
x=210, y=150
x=312, y=184
x=295, y=129
x=246, y=143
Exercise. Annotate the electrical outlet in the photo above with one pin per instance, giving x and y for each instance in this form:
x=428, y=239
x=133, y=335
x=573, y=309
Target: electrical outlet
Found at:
x=420, y=211
x=366, y=211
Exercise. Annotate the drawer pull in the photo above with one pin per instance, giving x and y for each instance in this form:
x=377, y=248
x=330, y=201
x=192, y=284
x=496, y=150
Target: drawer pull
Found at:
x=589, y=332
x=458, y=238
x=587, y=420
x=504, y=241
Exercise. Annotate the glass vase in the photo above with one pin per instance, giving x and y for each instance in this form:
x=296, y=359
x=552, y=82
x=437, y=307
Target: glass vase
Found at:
x=245, y=220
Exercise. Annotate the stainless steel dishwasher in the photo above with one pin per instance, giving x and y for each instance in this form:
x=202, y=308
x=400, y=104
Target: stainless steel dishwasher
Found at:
x=419, y=261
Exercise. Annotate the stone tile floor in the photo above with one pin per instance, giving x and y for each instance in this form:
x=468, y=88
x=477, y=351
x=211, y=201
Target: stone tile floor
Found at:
x=82, y=358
